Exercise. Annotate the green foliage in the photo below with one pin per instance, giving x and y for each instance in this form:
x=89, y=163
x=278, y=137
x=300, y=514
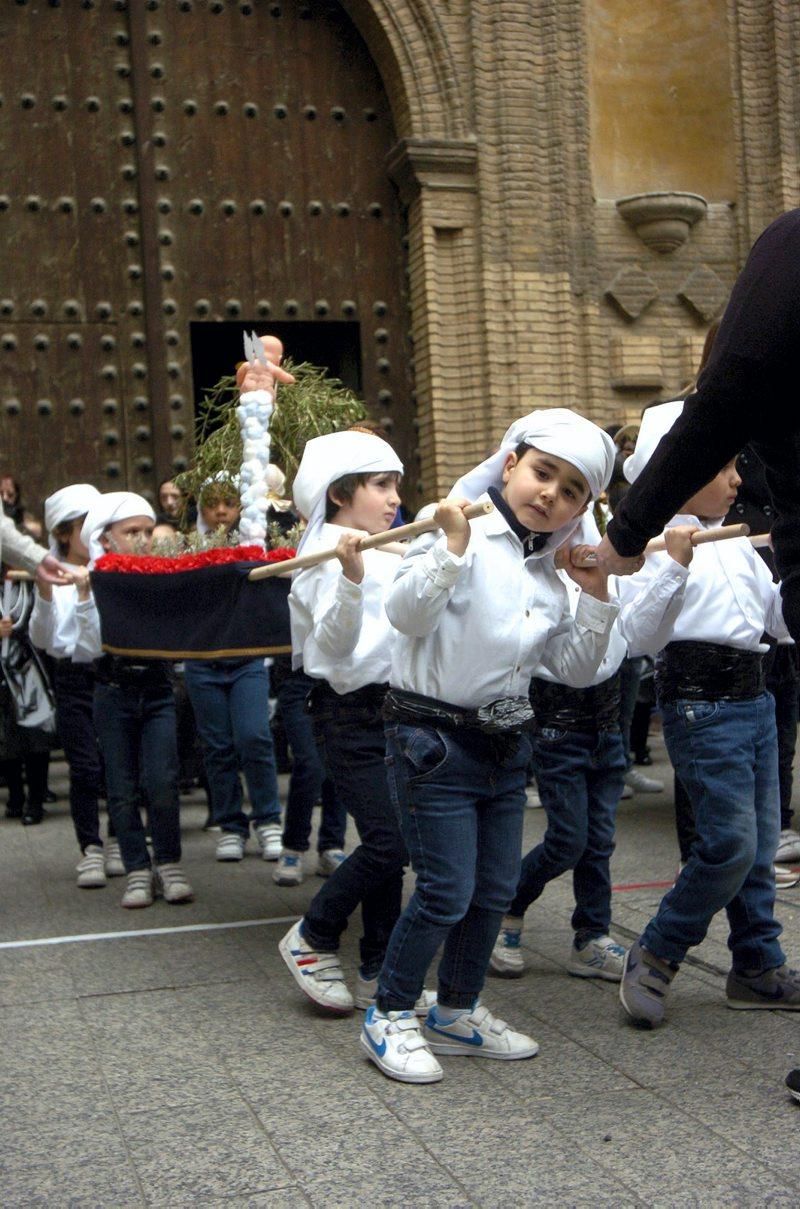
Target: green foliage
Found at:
x=315, y=404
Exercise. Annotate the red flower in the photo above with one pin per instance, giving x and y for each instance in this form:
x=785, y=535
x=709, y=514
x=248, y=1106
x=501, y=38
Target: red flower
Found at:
x=148, y=564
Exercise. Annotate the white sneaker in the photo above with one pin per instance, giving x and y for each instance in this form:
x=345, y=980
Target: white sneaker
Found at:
x=394, y=1042
x=230, y=846
x=289, y=870
x=367, y=989
x=140, y=889
x=477, y=1034
x=329, y=861
x=270, y=841
x=319, y=975
x=601, y=957
x=785, y=877
x=627, y=792
x=506, y=959
x=172, y=882
x=91, y=869
x=639, y=783
x=115, y=866
x=788, y=847
x=532, y=799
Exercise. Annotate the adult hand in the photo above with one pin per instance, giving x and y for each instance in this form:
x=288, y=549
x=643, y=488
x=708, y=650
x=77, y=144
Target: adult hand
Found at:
x=612, y=563
x=51, y=571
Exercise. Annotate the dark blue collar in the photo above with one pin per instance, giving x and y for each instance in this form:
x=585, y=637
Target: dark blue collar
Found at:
x=531, y=542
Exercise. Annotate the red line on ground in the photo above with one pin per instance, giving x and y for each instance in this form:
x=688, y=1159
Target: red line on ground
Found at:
x=642, y=886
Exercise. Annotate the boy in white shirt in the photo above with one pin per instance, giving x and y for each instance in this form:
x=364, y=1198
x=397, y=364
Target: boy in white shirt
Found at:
x=54, y=628
x=707, y=621
x=347, y=486
x=477, y=610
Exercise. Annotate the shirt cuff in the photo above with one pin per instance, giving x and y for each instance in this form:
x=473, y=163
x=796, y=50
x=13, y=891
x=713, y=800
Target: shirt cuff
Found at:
x=444, y=568
x=595, y=615
x=347, y=591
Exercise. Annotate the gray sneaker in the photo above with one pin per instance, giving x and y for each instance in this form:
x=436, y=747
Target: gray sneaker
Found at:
x=644, y=986
x=777, y=989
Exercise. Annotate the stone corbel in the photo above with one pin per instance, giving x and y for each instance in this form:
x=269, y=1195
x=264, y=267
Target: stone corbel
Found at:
x=662, y=220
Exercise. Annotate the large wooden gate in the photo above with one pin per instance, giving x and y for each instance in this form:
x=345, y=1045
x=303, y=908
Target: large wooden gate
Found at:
x=173, y=171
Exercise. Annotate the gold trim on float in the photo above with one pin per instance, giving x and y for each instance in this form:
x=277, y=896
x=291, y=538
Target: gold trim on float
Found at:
x=139, y=653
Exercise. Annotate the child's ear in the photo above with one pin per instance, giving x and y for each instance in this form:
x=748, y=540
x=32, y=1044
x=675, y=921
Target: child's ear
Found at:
x=105, y=541
x=332, y=497
x=508, y=466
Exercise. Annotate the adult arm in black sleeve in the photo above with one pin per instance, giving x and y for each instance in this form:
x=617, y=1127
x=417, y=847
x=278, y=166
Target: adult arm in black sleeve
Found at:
x=750, y=383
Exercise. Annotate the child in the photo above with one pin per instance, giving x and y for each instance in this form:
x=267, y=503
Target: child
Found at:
x=347, y=486
x=54, y=628
x=719, y=728
x=134, y=714
x=478, y=610
x=230, y=699
x=579, y=764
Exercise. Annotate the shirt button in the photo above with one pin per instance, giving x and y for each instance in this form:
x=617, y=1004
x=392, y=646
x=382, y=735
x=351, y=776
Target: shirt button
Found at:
x=518, y=668
x=527, y=612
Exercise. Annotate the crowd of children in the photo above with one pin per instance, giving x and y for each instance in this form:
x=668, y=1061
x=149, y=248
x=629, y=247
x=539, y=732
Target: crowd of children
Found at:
x=426, y=685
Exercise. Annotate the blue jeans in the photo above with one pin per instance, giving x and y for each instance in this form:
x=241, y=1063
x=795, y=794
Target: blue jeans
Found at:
x=136, y=728
x=73, y=688
x=230, y=699
x=630, y=674
x=580, y=779
x=308, y=783
x=725, y=753
x=460, y=800
x=350, y=734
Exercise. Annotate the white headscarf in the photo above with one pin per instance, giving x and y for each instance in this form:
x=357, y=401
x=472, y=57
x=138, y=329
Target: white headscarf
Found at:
x=106, y=510
x=656, y=423
x=67, y=504
x=331, y=457
x=276, y=489
x=561, y=433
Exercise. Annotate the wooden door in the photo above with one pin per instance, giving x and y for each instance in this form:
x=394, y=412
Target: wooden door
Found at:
x=171, y=164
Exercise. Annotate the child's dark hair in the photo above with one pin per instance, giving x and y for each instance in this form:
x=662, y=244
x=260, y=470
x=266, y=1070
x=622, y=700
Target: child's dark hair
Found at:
x=346, y=487
x=63, y=532
x=521, y=450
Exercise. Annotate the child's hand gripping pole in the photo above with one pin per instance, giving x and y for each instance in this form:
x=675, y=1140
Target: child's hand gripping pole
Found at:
x=403, y=533
x=700, y=538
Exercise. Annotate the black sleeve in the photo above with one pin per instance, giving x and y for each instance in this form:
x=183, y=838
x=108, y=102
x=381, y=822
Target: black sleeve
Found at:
x=749, y=384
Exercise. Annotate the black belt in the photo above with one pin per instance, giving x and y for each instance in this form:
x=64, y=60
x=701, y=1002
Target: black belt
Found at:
x=507, y=715
x=584, y=710
x=707, y=671
x=369, y=696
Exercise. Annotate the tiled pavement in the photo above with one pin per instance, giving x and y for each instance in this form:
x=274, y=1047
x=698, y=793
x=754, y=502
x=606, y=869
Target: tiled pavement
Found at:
x=184, y=1069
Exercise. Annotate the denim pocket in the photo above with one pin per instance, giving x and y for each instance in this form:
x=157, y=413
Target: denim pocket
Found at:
x=425, y=751
x=697, y=713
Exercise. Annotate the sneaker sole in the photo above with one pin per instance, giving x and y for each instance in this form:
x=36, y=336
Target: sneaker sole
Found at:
x=137, y=906
x=95, y=883
x=268, y=856
x=794, y=1093
x=434, y=1077
x=585, y=972
x=453, y=1049
x=288, y=881
x=302, y=982
x=742, y=1005
x=225, y=859
x=504, y=972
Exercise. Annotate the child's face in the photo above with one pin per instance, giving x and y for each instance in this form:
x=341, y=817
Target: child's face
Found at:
x=373, y=506
x=132, y=536
x=76, y=551
x=544, y=492
x=223, y=511
x=717, y=497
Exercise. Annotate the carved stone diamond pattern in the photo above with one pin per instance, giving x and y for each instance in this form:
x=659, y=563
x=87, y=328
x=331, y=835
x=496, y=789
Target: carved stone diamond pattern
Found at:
x=703, y=293
x=632, y=290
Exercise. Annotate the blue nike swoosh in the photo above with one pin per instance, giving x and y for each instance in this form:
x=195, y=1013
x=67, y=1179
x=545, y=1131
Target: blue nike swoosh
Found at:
x=380, y=1050
x=475, y=1039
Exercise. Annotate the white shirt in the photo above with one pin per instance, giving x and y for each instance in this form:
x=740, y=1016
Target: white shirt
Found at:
x=617, y=647
x=475, y=628
x=726, y=596
x=340, y=627
x=88, y=645
x=53, y=626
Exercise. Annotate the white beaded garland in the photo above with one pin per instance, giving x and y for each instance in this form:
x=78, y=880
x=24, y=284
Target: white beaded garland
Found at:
x=253, y=413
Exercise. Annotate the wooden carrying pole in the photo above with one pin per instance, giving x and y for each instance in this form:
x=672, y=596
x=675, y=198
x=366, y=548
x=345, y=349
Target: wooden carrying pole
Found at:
x=374, y=542
x=700, y=538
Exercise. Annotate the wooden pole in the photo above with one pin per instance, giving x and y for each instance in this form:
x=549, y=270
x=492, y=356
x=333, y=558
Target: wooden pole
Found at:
x=700, y=538
x=374, y=542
